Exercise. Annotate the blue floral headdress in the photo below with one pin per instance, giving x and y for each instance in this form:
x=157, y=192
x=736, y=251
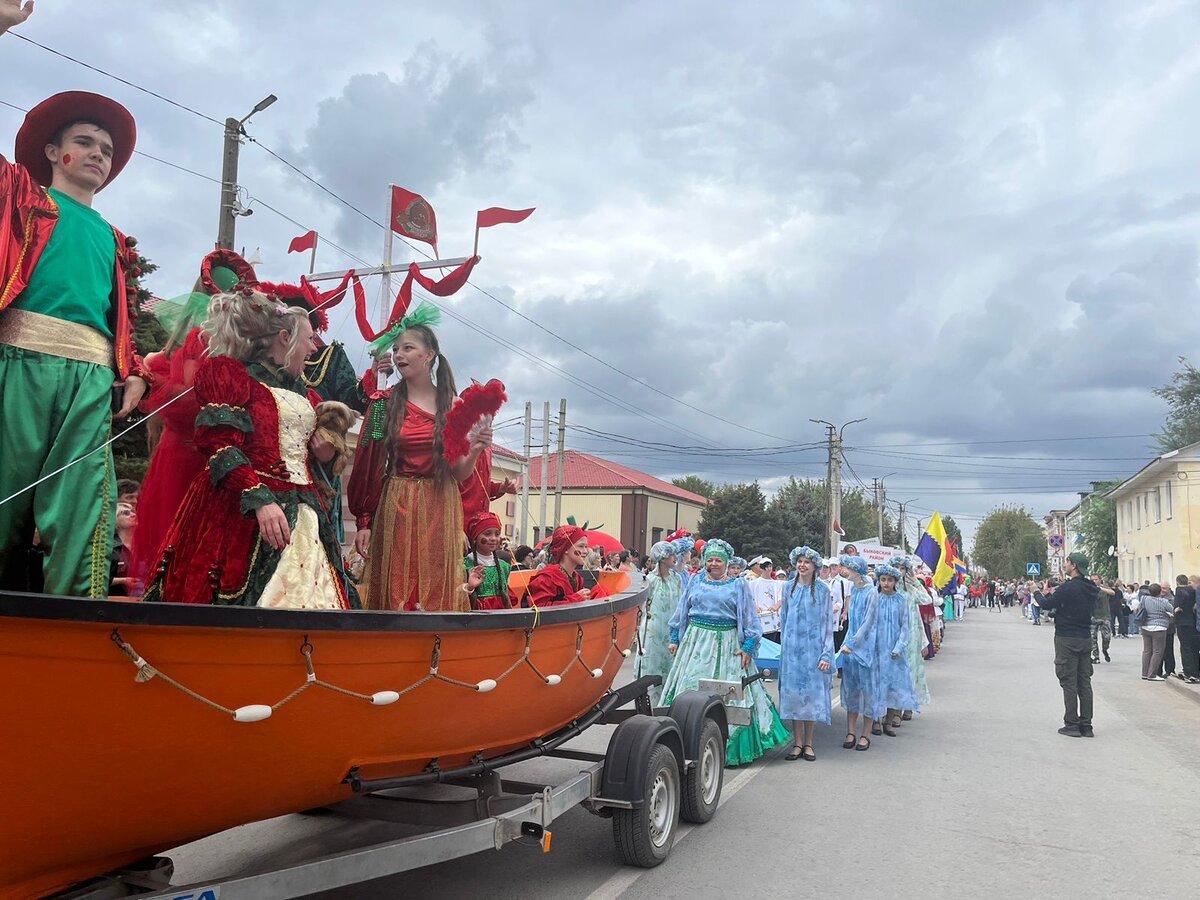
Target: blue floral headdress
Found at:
x=661, y=551
x=887, y=569
x=857, y=563
x=806, y=553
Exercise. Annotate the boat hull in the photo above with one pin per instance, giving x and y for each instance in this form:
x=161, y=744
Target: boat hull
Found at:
x=106, y=762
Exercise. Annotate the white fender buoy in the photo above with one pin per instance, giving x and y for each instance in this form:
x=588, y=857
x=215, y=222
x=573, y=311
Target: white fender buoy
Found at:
x=255, y=712
x=383, y=698
x=625, y=653
x=488, y=684
x=552, y=680
x=596, y=673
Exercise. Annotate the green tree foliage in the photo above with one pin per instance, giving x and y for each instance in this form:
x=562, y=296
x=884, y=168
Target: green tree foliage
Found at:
x=737, y=513
x=131, y=455
x=1008, y=539
x=1182, y=394
x=696, y=485
x=955, y=533
x=796, y=515
x=1098, y=522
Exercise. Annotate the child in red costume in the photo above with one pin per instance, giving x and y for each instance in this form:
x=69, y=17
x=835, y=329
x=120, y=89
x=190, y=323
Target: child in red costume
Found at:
x=483, y=533
x=559, y=583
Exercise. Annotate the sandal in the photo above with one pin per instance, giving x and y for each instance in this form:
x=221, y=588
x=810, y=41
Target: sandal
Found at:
x=889, y=731
x=877, y=729
x=795, y=754
x=859, y=745
x=896, y=721
x=848, y=743
x=907, y=717
x=810, y=754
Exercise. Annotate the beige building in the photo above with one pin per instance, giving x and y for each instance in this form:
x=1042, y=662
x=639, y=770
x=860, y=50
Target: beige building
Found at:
x=634, y=507
x=1156, y=537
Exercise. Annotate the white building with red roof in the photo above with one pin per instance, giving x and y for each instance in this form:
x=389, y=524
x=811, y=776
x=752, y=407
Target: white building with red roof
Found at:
x=634, y=507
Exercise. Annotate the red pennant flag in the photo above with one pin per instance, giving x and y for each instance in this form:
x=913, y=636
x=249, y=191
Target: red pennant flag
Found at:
x=302, y=243
x=413, y=217
x=497, y=215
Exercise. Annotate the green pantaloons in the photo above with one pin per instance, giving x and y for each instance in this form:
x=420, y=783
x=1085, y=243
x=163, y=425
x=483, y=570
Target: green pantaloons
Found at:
x=54, y=410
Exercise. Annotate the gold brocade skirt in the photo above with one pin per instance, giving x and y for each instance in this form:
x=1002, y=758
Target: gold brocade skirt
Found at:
x=416, y=548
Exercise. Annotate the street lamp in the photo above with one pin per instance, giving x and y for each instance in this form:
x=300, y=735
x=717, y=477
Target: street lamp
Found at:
x=230, y=208
x=833, y=481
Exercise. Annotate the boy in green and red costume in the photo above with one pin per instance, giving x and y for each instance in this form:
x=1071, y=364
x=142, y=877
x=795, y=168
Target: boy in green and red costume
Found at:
x=67, y=303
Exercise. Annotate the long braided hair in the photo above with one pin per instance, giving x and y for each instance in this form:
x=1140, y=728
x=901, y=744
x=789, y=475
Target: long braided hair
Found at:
x=446, y=394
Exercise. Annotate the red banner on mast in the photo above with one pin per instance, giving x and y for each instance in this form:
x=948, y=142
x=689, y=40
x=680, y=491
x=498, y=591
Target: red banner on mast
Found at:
x=498, y=215
x=413, y=217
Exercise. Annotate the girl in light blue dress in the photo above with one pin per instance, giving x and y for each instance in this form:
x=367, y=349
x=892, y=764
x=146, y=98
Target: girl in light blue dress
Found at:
x=857, y=659
x=916, y=637
x=715, y=633
x=666, y=587
x=806, y=657
x=892, y=627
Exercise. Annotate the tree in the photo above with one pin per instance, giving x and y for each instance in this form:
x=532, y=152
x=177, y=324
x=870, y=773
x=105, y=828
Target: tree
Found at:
x=860, y=519
x=737, y=514
x=696, y=485
x=1007, y=540
x=131, y=453
x=1182, y=394
x=796, y=517
x=1098, y=522
x=954, y=533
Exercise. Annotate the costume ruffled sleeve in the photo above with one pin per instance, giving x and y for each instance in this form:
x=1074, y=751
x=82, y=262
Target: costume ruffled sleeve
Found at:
x=749, y=624
x=825, y=602
x=679, y=621
x=862, y=642
x=223, y=427
x=901, y=645
x=366, y=478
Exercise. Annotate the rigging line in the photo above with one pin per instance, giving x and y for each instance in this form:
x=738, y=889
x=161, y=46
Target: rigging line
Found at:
x=1105, y=437
x=949, y=456
x=136, y=87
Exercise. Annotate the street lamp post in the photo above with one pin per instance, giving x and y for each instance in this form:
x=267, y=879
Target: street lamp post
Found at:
x=229, y=175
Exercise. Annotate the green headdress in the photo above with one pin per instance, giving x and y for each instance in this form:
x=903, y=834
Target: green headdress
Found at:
x=426, y=314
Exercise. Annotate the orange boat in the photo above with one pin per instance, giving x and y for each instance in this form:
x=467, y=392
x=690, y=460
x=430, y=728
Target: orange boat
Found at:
x=131, y=728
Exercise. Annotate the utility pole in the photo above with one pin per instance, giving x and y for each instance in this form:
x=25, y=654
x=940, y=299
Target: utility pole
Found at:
x=902, y=523
x=545, y=461
x=229, y=175
x=833, y=481
x=525, y=516
x=879, y=506
x=562, y=449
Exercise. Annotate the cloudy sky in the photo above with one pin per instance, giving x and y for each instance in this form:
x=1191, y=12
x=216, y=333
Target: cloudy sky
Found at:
x=973, y=224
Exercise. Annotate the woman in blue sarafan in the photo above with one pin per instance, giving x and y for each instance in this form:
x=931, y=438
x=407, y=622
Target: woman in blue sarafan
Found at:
x=857, y=659
x=714, y=634
x=891, y=632
x=806, y=659
x=916, y=637
x=666, y=587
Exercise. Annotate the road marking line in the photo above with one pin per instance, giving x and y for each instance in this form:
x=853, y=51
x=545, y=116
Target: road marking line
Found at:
x=622, y=880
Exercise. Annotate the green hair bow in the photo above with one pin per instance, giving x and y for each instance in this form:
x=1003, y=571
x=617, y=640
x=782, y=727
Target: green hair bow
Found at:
x=426, y=314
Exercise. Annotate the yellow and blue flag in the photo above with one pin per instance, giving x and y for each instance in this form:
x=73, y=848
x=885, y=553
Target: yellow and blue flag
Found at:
x=935, y=552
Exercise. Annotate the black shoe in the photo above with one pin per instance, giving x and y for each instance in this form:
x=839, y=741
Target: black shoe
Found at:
x=1107, y=658
x=1070, y=731
x=1095, y=660
x=1086, y=731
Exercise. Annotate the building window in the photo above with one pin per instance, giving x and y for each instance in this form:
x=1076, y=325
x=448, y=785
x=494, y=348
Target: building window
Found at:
x=1171, y=567
x=655, y=536
x=1157, y=504
x=1170, y=504
x=1138, y=506
x=1139, y=570
x=510, y=508
x=1158, y=566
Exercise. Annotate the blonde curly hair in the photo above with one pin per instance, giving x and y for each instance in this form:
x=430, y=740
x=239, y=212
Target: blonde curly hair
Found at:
x=243, y=325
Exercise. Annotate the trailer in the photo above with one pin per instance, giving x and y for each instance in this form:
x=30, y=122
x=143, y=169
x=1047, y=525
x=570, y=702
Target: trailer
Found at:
x=660, y=766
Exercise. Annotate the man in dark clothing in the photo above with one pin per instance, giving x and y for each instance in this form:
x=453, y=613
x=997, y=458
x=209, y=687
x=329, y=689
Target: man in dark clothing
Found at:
x=991, y=593
x=1073, y=603
x=1185, y=629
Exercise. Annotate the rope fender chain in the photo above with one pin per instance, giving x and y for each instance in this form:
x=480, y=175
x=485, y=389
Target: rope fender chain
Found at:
x=257, y=712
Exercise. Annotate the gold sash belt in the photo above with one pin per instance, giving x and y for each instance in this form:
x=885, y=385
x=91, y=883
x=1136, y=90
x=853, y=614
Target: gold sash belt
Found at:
x=54, y=337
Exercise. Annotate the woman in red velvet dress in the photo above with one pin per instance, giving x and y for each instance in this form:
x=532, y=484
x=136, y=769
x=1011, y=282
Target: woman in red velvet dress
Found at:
x=403, y=493
x=252, y=528
x=559, y=583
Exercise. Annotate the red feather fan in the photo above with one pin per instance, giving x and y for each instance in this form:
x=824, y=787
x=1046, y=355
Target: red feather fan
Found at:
x=477, y=402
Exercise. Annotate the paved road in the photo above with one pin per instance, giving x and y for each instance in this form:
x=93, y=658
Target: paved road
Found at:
x=979, y=797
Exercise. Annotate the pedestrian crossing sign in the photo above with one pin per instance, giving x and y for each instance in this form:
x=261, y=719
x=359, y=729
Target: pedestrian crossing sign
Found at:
x=1033, y=569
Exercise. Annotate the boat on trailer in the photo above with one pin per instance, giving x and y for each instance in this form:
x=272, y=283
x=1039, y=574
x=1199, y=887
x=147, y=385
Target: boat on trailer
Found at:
x=133, y=728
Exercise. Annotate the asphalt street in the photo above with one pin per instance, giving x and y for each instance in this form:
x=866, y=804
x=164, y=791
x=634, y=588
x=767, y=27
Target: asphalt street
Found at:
x=977, y=797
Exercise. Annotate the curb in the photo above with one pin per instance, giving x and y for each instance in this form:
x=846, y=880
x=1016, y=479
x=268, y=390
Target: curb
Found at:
x=1184, y=688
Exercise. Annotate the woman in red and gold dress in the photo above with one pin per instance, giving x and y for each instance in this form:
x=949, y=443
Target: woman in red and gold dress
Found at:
x=403, y=493
x=252, y=529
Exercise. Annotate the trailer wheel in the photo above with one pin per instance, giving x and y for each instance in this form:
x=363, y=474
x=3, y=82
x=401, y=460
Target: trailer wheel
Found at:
x=702, y=783
x=644, y=835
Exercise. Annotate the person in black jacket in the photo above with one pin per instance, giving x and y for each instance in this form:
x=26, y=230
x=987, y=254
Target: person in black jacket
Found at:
x=1072, y=603
x=1185, y=629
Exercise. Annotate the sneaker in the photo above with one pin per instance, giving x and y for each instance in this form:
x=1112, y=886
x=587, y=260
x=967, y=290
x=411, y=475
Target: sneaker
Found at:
x=1070, y=731
x=1178, y=675
x=1086, y=731
x=1156, y=678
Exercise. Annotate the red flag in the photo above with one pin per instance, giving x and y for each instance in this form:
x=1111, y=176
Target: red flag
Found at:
x=497, y=215
x=302, y=243
x=413, y=217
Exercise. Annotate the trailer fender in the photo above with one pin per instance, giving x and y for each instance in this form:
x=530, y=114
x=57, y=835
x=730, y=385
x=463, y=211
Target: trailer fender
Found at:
x=628, y=751
x=690, y=710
